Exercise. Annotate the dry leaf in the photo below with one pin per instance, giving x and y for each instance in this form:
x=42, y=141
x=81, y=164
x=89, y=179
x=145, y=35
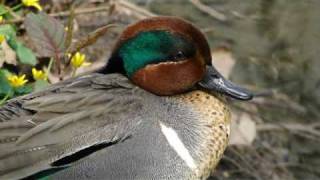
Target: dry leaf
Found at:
x=47, y=33
x=7, y=54
x=243, y=129
x=223, y=60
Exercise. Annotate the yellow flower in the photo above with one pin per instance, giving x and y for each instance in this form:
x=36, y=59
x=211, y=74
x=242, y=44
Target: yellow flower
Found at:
x=17, y=81
x=2, y=38
x=38, y=74
x=1, y=18
x=78, y=60
x=33, y=3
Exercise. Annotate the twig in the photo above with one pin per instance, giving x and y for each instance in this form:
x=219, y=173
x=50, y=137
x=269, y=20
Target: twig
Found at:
x=281, y=103
x=81, y=11
x=64, y=13
x=208, y=29
x=301, y=166
x=139, y=12
x=266, y=93
x=235, y=163
x=245, y=162
x=293, y=127
x=91, y=38
x=212, y=12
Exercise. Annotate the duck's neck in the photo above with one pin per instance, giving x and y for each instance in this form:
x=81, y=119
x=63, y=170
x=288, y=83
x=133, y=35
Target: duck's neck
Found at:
x=114, y=65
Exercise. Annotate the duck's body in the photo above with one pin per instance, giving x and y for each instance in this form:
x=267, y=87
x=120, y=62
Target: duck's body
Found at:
x=140, y=120
x=102, y=126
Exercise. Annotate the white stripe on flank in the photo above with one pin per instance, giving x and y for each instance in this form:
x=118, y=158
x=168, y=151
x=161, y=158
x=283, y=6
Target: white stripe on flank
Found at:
x=176, y=143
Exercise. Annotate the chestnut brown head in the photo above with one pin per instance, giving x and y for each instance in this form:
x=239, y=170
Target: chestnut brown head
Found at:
x=166, y=56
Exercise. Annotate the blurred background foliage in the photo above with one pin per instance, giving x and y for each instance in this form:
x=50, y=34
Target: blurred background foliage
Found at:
x=270, y=46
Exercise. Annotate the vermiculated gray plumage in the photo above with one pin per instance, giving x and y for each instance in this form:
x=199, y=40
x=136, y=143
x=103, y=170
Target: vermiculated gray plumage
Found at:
x=45, y=129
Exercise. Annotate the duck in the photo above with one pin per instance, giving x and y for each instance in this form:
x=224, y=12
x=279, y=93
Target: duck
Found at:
x=157, y=110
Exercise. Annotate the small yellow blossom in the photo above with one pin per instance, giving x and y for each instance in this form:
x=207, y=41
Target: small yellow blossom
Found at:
x=38, y=74
x=33, y=3
x=79, y=60
x=2, y=38
x=17, y=81
x=1, y=18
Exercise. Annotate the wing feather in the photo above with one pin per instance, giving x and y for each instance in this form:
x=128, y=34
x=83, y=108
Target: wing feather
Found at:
x=39, y=129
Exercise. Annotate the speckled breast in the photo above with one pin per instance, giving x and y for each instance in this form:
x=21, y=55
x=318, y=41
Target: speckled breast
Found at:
x=214, y=130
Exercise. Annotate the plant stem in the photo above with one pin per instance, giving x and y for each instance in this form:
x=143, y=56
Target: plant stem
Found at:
x=64, y=13
x=17, y=7
x=11, y=9
x=49, y=66
x=74, y=72
x=4, y=99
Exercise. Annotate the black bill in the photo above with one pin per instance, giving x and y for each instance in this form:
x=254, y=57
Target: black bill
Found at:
x=213, y=81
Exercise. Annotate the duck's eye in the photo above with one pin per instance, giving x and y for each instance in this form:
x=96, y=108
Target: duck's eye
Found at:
x=179, y=55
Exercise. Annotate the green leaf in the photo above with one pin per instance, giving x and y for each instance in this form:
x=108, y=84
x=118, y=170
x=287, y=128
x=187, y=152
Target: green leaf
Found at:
x=23, y=90
x=25, y=55
x=5, y=87
x=8, y=30
x=5, y=72
x=10, y=33
x=47, y=34
x=40, y=85
x=2, y=9
x=7, y=14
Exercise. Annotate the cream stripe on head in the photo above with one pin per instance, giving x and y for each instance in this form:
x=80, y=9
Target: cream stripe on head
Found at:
x=176, y=143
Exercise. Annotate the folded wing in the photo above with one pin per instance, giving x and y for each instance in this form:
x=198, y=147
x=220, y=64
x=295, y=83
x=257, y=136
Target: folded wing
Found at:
x=51, y=129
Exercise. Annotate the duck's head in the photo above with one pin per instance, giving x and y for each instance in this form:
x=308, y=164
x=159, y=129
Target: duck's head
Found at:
x=167, y=56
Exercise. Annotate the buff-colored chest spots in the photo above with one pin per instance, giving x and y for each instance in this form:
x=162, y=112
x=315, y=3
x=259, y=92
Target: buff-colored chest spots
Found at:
x=214, y=128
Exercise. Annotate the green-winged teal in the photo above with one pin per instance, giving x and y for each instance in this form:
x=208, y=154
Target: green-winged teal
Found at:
x=155, y=111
